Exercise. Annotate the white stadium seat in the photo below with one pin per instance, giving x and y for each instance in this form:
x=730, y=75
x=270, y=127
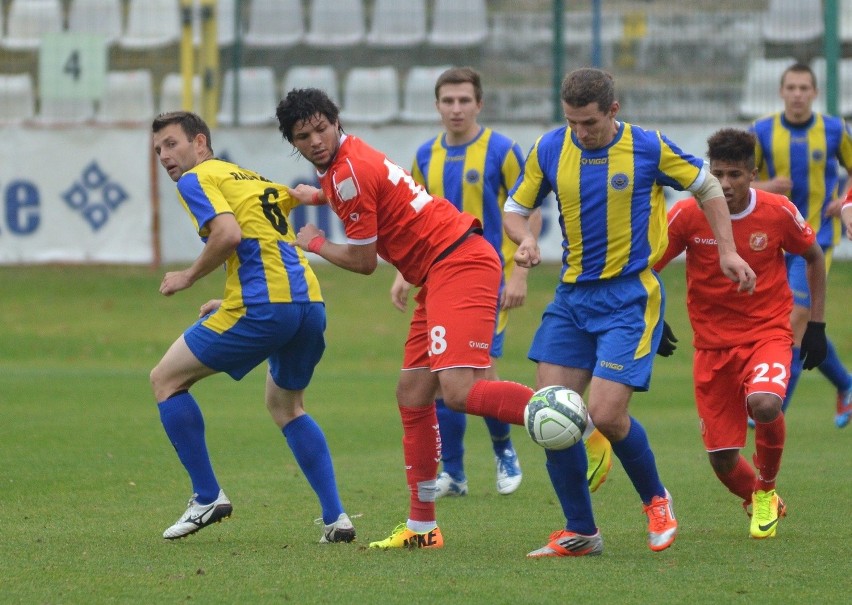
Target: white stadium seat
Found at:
x=459, y=23
x=17, y=98
x=762, y=86
x=371, y=95
x=418, y=102
x=336, y=23
x=99, y=17
x=398, y=24
x=275, y=23
x=256, y=94
x=790, y=21
x=171, y=93
x=151, y=24
x=128, y=97
x=29, y=21
x=323, y=77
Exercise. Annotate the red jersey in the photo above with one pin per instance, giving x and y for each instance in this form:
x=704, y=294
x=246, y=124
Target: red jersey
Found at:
x=721, y=317
x=378, y=201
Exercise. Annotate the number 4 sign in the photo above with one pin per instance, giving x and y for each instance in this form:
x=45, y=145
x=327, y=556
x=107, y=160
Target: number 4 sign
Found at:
x=72, y=66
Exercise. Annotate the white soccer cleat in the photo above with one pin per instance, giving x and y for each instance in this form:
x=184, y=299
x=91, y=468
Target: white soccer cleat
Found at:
x=509, y=474
x=341, y=530
x=198, y=516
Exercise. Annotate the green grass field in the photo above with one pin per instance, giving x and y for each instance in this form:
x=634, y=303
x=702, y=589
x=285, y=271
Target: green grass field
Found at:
x=88, y=480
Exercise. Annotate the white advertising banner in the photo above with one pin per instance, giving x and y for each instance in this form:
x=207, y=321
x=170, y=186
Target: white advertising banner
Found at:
x=79, y=195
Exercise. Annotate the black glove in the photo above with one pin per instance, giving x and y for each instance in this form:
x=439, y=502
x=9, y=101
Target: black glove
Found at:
x=814, y=345
x=667, y=342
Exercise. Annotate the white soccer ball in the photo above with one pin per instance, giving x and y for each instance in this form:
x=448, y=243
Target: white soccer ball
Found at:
x=556, y=417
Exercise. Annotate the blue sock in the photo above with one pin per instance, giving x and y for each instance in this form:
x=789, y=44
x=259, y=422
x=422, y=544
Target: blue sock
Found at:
x=451, y=426
x=795, y=373
x=309, y=447
x=634, y=453
x=567, y=470
x=500, y=437
x=833, y=369
x=184, y=425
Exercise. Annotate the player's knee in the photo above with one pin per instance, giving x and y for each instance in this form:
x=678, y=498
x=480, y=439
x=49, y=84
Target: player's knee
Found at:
x=765, y=407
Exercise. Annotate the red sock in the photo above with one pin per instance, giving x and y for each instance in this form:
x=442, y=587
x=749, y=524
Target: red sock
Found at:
x=421, y=448
x=741, y=480
x=768, y=446
x=499, y=399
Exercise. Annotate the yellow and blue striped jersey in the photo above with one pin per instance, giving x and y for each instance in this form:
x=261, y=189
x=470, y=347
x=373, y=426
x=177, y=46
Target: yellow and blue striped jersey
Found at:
x=476, y=178
x=264, y=268
x=611, y=202
x=809, y=155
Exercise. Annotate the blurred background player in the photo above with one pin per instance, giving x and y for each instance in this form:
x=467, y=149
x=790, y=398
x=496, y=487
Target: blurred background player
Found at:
x=798, y=151
x=600, y=332
x=743, y=342
x=272, y=310
x=473, y=167
x=385, y=213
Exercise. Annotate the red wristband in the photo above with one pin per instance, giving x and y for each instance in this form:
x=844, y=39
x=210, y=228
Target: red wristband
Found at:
x=315, y=198
x=316, y=243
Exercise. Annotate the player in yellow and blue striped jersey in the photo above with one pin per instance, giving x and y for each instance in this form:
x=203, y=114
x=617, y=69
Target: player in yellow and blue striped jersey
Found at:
x=272, y=310
x=799, y=152
x=605, y=322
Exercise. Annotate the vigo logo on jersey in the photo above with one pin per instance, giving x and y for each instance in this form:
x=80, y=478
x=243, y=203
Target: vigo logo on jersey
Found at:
x=758, y=241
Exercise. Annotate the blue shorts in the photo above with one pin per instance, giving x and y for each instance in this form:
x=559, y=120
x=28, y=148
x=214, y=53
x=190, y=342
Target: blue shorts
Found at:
x=797, y=275
x=235, y=341
x=611, y=328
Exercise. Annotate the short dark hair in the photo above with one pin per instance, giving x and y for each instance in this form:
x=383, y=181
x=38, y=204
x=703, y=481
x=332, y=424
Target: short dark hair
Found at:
x=192, y=124
x=799, y=68
x=461, y=75
x=302, y=104
x=588, y=85
x=732, y=145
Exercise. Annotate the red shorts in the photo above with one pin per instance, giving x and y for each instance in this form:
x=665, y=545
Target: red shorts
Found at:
x=453, y=323
x=724, y=378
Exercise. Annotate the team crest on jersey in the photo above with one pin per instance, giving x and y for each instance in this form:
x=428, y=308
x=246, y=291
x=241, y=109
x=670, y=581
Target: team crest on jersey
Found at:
x=619, y=181
x=817, y=155
x=354, y=217
x=758, y=241
x=471, y=176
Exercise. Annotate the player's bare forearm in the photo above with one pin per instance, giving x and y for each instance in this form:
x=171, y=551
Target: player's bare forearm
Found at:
x=223, y=239
x=732, y=264
x=358, y=259
x=816, y=276
x=517, y=229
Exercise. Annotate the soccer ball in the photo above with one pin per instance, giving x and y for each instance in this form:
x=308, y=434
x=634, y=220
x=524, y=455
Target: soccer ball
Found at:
x=556, y=417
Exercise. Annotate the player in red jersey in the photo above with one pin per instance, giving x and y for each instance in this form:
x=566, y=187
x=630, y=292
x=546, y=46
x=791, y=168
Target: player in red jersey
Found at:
x=846, y=214
x=387, y=214
x=743, y=342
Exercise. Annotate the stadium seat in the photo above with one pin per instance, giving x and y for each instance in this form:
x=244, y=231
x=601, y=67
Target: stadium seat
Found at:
x=225, y=22
x=17, y=98
x=762, y=85
x=171, y=93
x=100, y=17
x=792, y=21
x=845, y=12
x=323, y=77
x=397, y=24
x=29, y=21
x=275, y=23
x=459, y=23
x=257, y=97
x=371, y=95
x=65, y=111
x=128, y=97
x=418, y=103
x=336, y=23
x=151, y=24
